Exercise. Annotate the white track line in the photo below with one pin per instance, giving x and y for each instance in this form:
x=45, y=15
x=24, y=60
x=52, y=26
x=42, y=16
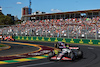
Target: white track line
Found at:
x=35, y=64
x=90, y=48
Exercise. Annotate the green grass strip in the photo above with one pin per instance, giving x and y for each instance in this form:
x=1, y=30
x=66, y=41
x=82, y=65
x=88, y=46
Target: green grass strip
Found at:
x=44, y=56
x=31, y=58
x=10, y=61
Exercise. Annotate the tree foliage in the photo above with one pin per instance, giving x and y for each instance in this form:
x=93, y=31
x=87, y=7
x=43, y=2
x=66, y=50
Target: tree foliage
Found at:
x=5, y=20
x=1, y=13
x=17, y=22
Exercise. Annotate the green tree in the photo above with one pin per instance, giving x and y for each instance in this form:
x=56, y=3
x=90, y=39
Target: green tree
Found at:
x=17, y=22
x=2, y=19
x=5, y=20
x=1, y=13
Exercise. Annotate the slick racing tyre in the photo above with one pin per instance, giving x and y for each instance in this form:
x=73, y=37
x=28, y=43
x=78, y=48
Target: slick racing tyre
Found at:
x=56, y=45
x=72, y=56
x=2, y=39
x=14, y=39
x=80, y=54
x=51, y=54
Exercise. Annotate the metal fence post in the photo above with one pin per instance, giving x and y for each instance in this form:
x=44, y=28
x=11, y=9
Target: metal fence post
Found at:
x=31, y=32
x=86, y=30
x=53, y=31
x=49, y=29
x=46, y=31
x=77, y=32
x=41, y=30
x=96, y=32
x=68, y=31
x=60, y=30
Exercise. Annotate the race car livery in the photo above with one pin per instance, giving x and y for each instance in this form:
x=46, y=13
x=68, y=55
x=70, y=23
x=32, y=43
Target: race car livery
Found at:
x=8, y=38
x=66, y=52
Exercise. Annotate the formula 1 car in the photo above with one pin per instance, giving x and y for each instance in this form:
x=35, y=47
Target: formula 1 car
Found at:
x=7, y=38
x=65, y=54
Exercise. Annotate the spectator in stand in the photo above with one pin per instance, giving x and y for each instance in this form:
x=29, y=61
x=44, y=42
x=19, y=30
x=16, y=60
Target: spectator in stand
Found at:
x=56, y=27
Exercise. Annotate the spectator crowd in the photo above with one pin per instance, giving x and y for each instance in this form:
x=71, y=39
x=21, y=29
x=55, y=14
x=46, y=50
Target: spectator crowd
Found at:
x=69, y=28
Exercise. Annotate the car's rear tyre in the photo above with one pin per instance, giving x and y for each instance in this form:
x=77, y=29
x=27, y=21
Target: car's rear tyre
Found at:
x=80, y=54
x=2, y=39
x=14, y=39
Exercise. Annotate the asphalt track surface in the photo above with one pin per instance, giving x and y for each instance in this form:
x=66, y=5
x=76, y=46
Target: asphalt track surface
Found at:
x=17, y=49
x=91, y=58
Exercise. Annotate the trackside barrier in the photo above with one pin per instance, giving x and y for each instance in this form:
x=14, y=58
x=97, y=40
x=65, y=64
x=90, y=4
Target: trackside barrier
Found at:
x=79, y=41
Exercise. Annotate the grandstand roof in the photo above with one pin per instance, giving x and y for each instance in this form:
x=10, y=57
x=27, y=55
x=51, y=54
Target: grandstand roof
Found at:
x=81, y=11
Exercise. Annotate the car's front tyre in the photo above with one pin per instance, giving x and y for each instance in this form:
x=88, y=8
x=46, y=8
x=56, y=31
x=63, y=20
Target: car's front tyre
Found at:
x=51, y=54
x=56, y=45
x=72, y=56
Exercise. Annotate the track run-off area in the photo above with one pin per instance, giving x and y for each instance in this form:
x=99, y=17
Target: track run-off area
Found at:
x=33, y=54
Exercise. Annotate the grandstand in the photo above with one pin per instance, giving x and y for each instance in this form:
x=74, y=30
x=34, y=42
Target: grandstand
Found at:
x=67, y=28
x=64, y=15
